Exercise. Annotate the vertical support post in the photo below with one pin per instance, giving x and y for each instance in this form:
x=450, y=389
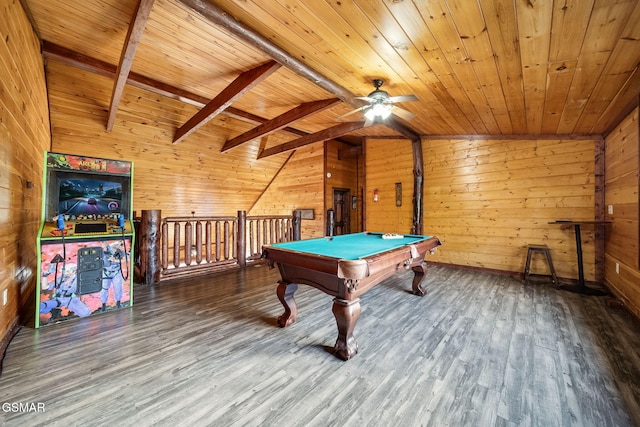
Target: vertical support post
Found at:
x=418, y=185
x=150, y=266
x=297, y=226
x=241, y=243
x=599, y=237
x=331, y=221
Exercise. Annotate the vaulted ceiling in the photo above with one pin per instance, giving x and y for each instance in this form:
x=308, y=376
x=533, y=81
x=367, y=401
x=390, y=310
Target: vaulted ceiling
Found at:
x=478, y=67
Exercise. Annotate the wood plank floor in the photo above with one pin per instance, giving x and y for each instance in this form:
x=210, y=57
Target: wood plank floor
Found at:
x=477, y=350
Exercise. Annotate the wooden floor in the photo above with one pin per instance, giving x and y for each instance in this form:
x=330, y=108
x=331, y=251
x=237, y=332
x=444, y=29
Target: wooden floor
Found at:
x=478, y=350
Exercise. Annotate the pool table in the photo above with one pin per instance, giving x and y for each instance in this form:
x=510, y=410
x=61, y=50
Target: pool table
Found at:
x=345, y=267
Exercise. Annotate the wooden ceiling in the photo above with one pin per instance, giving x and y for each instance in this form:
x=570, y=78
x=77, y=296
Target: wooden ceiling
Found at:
x=478, y=67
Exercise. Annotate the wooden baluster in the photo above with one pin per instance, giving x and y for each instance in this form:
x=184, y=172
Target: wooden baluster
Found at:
x=188, y=238
x=251, y=247
x=176, y=244
x=209, y=242
x=218, y=240
x=272, y=231
x=258, y=238
x=226, y=240
x=165, y=245
x=240, y=236
x=198, y=242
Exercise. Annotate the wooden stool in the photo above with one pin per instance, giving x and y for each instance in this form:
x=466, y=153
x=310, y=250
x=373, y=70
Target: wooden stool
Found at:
x=544, y=249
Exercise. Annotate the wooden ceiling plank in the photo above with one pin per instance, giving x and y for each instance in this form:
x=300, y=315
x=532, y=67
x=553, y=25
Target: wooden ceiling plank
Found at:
x=323, y=135
x=97, y=66
x=297, y=113
x=243, y=83
x=534, y=30
x=500, y=18
x=134, y=34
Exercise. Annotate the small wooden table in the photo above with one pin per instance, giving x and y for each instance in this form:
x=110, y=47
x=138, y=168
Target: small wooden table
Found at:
x=581, y=287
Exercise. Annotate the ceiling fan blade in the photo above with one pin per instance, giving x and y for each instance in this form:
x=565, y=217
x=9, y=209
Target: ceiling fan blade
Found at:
x=364, y=98
x=402, y=113
x=351, y=112
x=403, y=98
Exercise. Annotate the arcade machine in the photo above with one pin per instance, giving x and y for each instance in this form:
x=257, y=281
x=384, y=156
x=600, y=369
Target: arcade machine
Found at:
x=85, y=244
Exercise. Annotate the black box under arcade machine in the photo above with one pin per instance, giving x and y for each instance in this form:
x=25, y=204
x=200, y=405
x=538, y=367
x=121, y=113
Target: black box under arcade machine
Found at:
x=85, y=243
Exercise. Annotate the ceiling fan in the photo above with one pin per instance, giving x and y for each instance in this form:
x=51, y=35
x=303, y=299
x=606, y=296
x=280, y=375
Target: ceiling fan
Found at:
x=381, y=105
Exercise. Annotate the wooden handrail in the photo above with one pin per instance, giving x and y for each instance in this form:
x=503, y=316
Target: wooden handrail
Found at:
x=202, y=243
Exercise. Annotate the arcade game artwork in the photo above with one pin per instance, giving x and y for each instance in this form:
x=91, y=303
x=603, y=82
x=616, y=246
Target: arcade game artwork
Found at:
x=85, y=243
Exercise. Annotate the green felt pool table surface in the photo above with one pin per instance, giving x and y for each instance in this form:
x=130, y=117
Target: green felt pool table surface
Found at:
x=350, y=246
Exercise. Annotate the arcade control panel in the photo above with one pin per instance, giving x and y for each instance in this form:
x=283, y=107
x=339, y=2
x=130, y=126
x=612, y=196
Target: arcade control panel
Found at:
x=86, y=225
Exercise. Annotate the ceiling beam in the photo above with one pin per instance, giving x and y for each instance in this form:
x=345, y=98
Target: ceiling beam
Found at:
x=134, y=34
x=323, y=135
x=297, y=113
x=401, y=128
x=97, y=66
x=242, y=84
x=223, y=19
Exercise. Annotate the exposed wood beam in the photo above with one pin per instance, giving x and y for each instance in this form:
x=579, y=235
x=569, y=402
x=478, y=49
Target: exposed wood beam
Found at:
x=87, y=63
x=243, y=83
x=401, y=128
x=300, y=112
x=323, y=135
x=134, y=34
x=223, y=19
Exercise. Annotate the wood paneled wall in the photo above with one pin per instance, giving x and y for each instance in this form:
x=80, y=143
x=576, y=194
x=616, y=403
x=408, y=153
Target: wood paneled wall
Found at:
x=622, y=194
x=299, y=185
x=488, y=199
x=191, y=176
x=387, y=162
x=24, y=137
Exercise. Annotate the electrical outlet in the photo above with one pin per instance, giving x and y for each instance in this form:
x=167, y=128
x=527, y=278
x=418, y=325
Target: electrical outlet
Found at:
x=617, y=268
x=610, y=209
x=4, y=297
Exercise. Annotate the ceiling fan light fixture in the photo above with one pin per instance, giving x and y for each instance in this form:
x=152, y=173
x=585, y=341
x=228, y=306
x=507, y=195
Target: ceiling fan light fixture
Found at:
x=378, y=110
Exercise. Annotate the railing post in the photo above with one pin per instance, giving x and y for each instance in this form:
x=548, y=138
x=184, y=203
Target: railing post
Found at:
x=241, y=242
x=331, y=223
x=150, y=266
x=297, y=225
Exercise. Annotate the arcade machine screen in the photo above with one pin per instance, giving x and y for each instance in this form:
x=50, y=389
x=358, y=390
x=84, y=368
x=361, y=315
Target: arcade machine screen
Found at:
x=89, y=197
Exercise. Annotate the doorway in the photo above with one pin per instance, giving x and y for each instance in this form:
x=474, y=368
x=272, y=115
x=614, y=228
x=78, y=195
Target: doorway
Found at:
x=341, y=209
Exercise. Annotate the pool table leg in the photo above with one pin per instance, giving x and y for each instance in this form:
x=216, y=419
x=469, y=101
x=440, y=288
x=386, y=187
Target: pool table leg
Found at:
x=346, y=314
x=419, y=271
x=285, y=293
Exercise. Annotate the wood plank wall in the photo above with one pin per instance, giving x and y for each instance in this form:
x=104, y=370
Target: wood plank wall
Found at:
x=299, y=185
x=24, y=136
x=488, y=199
x=387, y=162
x=622, y=193
x=192, y=176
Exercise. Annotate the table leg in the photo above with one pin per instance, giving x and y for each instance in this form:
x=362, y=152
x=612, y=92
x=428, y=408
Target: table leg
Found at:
x=419, y=271
x=346, y=314
x=581, y=287
x=285, y=293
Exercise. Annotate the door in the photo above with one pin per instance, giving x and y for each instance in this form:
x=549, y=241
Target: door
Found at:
x=341, y=208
